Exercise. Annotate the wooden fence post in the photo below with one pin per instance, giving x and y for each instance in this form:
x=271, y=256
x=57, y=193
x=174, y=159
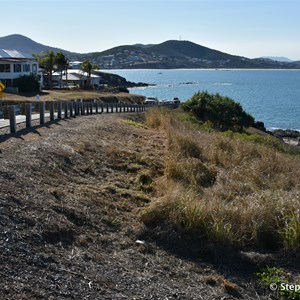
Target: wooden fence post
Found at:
x=76, y=108
x=66, y=109
x=88, y=108
x=28, y=112
x=52, y=111
x=81, y=107
x=71, y=109
x=59, y=109
x=12, y=119
x=42, y=113
x=91, y=107
x=96, y=107
x=101, y=108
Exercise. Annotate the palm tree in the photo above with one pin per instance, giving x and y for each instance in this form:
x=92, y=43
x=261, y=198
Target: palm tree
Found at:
x=61, y=64
x=88, y=67
x=47, y=61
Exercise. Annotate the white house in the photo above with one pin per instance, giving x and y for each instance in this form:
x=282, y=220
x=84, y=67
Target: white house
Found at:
x=14, y=64
x=75, y=77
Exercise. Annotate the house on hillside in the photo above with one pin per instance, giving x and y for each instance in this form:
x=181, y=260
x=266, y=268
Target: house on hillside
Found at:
x=14, y=64
x=76, y=65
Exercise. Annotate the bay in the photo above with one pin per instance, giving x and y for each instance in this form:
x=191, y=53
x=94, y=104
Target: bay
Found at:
x=271, y=96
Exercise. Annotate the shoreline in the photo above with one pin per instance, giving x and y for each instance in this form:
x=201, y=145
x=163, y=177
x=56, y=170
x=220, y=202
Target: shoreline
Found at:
x=203, y=69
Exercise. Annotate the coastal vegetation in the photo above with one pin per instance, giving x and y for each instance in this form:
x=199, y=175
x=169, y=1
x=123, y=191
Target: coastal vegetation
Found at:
x=223, y=112
x=229, y=191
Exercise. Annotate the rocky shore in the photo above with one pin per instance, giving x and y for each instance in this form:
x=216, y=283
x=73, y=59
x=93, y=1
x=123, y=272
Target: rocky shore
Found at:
x=291, y=137
x=288, y=136
x=115, y=81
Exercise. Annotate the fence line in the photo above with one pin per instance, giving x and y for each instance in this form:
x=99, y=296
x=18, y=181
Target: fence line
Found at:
x=65, y=110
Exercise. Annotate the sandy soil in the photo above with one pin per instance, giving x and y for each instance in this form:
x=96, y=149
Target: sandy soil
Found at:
x=70, y=197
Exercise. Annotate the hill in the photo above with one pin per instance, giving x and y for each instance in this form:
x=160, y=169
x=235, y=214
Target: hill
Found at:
x=167, y=55
x=24, y=44
x=279, y=58
x=177, y=54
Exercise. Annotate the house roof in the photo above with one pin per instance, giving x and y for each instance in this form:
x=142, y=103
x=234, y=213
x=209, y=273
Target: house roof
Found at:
x=70, y=77
x=14, y=54
x=81, y=73
x=76, y=73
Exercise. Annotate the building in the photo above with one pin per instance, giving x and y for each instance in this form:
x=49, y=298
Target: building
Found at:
x=76, y=65
x=14, y=64
x=74, y=77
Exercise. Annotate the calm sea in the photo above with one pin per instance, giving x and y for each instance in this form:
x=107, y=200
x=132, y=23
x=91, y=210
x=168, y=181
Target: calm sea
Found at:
x=271, y=96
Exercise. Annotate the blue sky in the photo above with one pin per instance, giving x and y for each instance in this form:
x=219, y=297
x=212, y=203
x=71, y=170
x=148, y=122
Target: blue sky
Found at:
x=250, y=28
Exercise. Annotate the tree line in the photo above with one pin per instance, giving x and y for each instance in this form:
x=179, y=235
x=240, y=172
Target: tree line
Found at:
x=52, y=62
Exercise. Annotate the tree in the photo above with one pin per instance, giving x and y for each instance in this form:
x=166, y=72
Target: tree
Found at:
x=88, y=67
x=47, y=61
x=222, y=112
x=61, y=63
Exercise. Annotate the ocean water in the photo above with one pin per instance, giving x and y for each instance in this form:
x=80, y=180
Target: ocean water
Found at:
x=271, y=96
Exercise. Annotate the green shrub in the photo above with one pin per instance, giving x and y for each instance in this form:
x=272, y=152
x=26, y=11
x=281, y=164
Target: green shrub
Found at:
x=223, y=112
x=27, y=84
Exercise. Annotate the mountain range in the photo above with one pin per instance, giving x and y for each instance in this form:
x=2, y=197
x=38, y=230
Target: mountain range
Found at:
x=167, y=55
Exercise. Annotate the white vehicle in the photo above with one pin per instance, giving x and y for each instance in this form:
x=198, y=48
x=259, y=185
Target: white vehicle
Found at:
x=176, y=100
x=151, y=100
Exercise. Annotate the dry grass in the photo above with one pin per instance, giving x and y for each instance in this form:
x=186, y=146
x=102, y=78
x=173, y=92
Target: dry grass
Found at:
x=226, y=189
x=51, y=95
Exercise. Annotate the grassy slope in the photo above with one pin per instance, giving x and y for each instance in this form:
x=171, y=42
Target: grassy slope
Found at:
x=74, y=191
x=227, y=190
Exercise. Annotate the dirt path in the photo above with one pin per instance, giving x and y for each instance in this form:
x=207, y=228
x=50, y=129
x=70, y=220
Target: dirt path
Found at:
x=70, y=196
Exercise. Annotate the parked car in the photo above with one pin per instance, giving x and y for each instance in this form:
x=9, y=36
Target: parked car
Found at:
x=151, y=100
x=176, y=100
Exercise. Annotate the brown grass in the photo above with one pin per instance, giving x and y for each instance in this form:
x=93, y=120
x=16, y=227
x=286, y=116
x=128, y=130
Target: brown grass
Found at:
x=50, y=95
x=227, y=190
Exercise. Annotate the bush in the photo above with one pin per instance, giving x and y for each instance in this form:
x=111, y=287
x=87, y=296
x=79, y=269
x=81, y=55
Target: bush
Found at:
x=27, y=84
x=222, y=112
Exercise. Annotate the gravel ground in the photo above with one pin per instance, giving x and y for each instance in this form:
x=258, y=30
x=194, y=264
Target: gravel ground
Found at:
x=70, y=197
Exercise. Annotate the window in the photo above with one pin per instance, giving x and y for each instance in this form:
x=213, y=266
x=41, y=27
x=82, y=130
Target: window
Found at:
x=26, y=68
x=34, y=68
x=17, y=68
x=4, y=68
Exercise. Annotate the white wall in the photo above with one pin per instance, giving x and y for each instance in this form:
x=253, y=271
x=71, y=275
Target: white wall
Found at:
x=14, y=75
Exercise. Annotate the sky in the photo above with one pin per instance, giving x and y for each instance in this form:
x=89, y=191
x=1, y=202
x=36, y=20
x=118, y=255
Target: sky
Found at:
x=250, y=28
